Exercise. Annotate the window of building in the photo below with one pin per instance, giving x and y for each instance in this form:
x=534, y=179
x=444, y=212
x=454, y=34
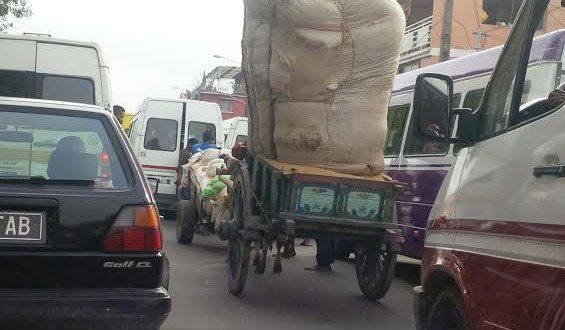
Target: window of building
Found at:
x=396, y=122
x=70, y=89
x=501, y=11
x=225, y=105
x=161, y=134
x=409, y=67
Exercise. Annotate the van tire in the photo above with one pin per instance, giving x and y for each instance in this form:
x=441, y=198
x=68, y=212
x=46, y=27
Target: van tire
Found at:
x=447, y=312
x=186, y=217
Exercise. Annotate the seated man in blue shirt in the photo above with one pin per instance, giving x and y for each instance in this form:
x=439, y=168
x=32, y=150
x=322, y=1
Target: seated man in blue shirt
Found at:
x=208, y=142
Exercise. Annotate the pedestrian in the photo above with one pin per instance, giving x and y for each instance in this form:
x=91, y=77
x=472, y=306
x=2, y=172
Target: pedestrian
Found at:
x=185, y=154
x=325, y=255
x=208, y=142
x=119, y=113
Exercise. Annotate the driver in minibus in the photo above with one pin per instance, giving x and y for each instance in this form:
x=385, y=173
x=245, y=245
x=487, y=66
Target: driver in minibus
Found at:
x=556, y=98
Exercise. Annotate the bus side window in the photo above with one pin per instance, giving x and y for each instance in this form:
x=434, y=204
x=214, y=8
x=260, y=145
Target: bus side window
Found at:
x=471, y=101
x=396, y=122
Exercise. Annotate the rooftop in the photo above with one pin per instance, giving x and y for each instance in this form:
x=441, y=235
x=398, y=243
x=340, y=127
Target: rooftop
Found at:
x=224, y=72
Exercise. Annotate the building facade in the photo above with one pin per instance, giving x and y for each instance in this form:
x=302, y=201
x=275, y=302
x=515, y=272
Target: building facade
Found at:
x=476, y=25
x=225, y=85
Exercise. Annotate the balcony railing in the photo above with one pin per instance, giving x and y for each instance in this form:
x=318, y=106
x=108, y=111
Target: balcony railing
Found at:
x=417, y=39
x=239, y=89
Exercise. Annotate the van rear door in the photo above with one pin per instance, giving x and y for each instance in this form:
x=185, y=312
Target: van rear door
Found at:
x=75, y=79
x=160, y=145
x=203, y=116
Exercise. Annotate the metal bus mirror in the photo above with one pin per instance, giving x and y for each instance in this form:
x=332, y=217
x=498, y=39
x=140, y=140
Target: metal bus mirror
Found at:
x=433, y=95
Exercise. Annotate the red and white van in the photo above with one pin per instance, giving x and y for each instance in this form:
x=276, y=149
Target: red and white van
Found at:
x=494, y=255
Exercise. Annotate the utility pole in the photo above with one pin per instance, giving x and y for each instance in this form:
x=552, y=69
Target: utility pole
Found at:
x=445, y=47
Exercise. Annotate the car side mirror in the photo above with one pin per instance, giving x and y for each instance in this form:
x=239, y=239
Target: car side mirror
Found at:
x=433, y=96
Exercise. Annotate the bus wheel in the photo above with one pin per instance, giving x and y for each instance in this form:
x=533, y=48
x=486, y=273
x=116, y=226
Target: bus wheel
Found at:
x=447, y=312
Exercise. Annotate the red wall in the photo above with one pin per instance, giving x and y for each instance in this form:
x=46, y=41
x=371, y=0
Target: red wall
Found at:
x=231, y=106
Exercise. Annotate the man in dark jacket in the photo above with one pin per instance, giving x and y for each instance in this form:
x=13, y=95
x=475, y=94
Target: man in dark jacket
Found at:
x=185, y=154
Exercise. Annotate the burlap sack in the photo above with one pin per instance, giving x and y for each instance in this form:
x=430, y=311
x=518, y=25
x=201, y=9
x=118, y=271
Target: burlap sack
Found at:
x=332, y=66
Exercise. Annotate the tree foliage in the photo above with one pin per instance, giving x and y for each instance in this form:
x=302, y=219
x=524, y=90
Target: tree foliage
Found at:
x=12, y=9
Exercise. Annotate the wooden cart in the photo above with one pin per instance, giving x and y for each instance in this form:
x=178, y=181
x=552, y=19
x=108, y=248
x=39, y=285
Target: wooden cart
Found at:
x=270, y=201
x=196, y=212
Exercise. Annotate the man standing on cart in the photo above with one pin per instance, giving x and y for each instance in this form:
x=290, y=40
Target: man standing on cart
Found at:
x=185, y=154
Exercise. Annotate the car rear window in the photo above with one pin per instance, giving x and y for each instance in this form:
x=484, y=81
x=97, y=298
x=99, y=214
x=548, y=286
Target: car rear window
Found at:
x=58, y=147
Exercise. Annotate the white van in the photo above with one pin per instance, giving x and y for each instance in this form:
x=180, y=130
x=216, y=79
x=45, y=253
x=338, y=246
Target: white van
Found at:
x=494, y=253
x=235, y=131
x=53, y=69
x=160, y=129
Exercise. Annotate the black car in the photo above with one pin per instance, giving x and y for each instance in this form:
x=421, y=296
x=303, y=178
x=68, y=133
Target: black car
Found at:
x=80, y=237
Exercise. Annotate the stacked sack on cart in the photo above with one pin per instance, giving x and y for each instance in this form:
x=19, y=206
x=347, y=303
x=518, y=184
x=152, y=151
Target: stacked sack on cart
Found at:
x=213, y=188
x=319, y=75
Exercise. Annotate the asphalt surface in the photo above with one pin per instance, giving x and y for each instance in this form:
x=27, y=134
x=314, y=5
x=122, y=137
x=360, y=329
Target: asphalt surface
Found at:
x=295, y=299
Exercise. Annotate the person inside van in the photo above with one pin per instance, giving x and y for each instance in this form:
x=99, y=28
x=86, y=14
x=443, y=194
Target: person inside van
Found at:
x=208, y=140
x=556, y=98
x=119, y=113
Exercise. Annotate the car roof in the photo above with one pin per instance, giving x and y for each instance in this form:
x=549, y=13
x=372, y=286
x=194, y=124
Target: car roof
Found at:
x=40, y=103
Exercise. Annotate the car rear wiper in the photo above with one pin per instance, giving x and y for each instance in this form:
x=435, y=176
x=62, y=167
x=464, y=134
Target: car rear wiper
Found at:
x=40, y=179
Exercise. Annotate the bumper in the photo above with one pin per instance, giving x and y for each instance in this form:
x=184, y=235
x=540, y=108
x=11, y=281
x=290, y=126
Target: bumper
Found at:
x=419, y=305
x=150, y=306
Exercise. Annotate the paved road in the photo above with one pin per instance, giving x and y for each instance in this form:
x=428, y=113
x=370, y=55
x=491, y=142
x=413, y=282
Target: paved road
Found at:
x=295, y=299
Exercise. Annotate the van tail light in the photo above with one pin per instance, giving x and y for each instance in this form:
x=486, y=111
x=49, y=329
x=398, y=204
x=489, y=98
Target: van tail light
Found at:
x=136, y=229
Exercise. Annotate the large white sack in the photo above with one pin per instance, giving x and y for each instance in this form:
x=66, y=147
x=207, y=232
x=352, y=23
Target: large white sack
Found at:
x=331, y=71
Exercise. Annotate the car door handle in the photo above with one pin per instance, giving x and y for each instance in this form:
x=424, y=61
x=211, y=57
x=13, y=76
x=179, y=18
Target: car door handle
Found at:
x=555, y=170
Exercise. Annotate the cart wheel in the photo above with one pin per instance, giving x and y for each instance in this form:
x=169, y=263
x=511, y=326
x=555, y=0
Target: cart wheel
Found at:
x=375, y=271
x=238, y=263
x=239, y=248
x=186, y=217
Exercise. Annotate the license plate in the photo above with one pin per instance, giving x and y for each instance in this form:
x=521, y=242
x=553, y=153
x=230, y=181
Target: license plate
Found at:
x=22, y=228
x=165, y=181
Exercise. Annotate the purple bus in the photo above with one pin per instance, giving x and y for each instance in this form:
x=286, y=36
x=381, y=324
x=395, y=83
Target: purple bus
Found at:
x=423, y=165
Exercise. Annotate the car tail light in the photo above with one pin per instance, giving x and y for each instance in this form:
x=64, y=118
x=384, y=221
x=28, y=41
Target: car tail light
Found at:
x=105, y=164
x=136, y=229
